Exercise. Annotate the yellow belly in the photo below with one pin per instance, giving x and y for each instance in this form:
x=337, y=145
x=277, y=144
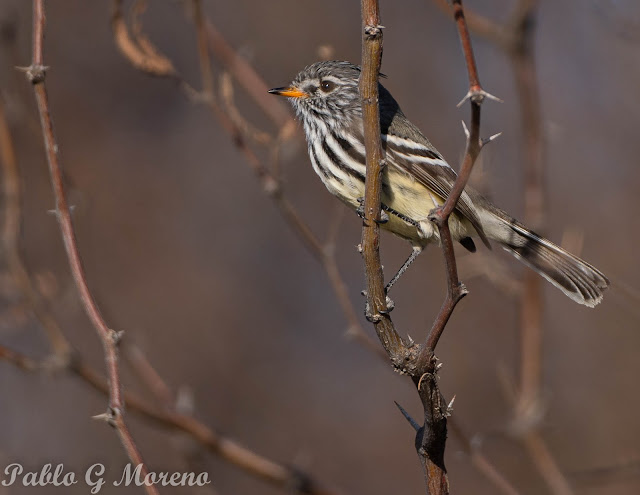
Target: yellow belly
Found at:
x=408, y=197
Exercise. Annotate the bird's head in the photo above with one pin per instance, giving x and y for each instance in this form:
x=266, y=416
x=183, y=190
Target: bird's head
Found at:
x=325, y=90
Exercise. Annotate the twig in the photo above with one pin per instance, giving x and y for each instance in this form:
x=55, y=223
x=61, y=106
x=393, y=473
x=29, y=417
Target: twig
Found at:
x=271, y=184
x=482, y=464
x=150, y=378
x=109, y=338
x=137, y=48
x=440, y=216
x=432, y=436
x=246, y=76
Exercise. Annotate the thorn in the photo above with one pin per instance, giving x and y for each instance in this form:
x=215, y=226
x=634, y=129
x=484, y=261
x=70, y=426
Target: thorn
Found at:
x=411, y=421
x=411, y=341
x=35, y=73
x=491, y=138
x=438, y=366
x=359, y=248
x=108, y=417
x=450, y=406
x=463, y=290
x=466, y=130
x=492, y=97
x=54, y=211
x=477, y=95
x=116, y=336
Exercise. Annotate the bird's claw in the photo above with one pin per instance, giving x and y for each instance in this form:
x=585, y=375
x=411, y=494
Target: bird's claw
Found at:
x=384, y=217
x=382, y=312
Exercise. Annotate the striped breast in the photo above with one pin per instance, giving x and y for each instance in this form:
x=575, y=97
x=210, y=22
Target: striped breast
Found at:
x=339, y=162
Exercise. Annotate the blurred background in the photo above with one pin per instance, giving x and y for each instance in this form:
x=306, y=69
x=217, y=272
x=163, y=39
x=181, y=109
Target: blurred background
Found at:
x=189, y=256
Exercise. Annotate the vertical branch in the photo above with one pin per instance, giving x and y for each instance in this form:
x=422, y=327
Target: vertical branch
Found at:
x=521, y=52
x=431, y=439
x=36, y=74
x=523, y=62
x=371, y=59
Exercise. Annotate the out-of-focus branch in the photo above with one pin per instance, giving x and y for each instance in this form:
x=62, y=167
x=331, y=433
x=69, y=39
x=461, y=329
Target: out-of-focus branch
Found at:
x=36, y=74
x=246, y=76
x=481, y=463
x=136, y=46
x=66, y=360
x=11, y=189
x=225, y=447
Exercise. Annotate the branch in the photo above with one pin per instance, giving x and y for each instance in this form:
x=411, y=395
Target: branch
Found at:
x=440, y=215
x=377, y=311
x=432, y=440
x=226, y=448
x=516, y=39
x=36, y=74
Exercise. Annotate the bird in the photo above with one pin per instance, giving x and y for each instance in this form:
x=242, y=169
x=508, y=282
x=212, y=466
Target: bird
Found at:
x=415, y=179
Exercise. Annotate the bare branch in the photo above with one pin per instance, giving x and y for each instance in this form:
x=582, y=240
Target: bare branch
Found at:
x=440, y=216
x=226, y=448
x=377, y=310
x=109, y=338
x=137, y=47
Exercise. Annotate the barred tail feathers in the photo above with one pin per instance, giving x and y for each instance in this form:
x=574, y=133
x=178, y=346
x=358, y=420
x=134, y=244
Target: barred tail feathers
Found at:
x=578, y=279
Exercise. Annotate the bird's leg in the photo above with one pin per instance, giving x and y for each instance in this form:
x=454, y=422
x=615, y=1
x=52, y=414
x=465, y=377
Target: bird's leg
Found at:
x=414, y=254
x=390, y=304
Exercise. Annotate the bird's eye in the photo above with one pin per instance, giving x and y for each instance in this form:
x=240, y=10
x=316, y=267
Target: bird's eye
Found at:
x=327, y=86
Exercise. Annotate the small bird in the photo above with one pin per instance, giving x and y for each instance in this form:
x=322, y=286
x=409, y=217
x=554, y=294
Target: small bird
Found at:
x=416, y=179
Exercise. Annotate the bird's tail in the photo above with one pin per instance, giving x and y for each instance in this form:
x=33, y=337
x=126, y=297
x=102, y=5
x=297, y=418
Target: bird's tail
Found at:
x=576, y=278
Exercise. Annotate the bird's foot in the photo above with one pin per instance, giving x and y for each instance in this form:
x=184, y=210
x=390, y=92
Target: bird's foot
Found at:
x=370, y=316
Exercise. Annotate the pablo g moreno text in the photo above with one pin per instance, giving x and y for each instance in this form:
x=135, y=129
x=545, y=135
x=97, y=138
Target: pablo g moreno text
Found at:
x=94, y=477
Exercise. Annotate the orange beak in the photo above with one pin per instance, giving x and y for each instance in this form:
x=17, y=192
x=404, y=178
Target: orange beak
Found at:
x=289, y=92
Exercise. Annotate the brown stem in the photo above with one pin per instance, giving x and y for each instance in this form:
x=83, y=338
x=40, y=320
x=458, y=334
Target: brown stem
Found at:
x=36, y=74
x=516, y=39
x=376, y=298
x=440, y=216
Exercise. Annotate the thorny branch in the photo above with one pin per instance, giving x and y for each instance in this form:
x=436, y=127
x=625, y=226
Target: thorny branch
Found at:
x=420, y=363
x=136, y=46
x=66, y=359
x=70, y=361
x=516, y=39
x=225, y=447
x=115, y=414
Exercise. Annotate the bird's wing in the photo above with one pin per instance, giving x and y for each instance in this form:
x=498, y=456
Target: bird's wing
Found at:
x=426, y=165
